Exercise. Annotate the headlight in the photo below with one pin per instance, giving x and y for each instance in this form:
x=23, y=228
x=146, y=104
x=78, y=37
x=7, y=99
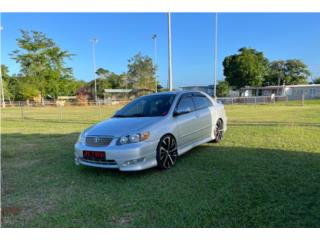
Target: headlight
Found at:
x=123, y=140
x=134, y=138
x=82, y=138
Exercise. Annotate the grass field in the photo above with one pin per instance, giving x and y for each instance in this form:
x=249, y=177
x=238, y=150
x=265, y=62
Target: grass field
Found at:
x=265, y=173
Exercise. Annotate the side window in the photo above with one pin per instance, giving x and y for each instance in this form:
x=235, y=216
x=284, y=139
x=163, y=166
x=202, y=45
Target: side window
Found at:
x=185, y=104
x=201, y=101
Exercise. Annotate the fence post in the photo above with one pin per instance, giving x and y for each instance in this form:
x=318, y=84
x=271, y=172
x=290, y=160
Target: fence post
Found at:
x=21, y=110
x=302, y=99
x=60, y=107
x=232, y=101
x=287, y=100
x=100, y=109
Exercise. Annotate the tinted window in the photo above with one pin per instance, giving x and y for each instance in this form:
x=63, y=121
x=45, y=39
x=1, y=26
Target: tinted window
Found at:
x=201, y=101
x=185, y=104
x=148, y=106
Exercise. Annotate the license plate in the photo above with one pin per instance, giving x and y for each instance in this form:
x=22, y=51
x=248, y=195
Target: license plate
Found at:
x=93, y=155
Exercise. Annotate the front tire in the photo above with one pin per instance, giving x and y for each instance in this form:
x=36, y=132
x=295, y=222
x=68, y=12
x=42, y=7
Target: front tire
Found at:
x=218, y=131
x=167, y=152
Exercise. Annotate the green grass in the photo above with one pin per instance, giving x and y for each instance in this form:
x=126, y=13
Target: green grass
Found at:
x=265, y=173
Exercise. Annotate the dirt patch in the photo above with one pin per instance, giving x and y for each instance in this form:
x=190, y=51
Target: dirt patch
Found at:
x=10, y=211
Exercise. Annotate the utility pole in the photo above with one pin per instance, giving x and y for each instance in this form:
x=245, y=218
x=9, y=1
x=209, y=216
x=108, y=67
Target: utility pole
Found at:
x=279, y=76
x=154, y=38
x=169, y=54
x=94, y=41
x=215, y=56
x=3, y=103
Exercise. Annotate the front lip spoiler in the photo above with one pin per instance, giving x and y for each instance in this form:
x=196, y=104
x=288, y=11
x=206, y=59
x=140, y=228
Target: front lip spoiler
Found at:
x=98, y=165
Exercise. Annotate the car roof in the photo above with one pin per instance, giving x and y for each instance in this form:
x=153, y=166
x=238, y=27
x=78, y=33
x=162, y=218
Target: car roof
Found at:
x=178, y=92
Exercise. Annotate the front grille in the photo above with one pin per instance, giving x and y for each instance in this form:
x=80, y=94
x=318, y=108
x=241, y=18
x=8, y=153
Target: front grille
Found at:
x=101, y=161
x=98, y=141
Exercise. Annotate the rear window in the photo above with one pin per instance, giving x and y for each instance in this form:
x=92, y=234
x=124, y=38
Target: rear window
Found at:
x=201, y=101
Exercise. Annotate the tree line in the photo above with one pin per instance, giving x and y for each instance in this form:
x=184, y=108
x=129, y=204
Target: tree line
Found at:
x=44, y=72
x=250, y=67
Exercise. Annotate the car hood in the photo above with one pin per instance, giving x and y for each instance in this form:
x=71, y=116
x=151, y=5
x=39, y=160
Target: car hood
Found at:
x=118, y=127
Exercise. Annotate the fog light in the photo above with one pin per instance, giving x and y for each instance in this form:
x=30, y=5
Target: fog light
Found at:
x=134, y=161
x=76, y=161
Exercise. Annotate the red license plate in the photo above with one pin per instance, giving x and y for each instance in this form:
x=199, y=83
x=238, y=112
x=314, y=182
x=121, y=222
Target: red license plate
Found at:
x=93, y=155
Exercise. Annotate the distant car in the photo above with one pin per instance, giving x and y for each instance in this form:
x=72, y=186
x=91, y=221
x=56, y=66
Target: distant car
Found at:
x=151, y=131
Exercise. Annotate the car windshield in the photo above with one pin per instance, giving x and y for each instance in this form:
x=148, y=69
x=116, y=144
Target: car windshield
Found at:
x=148, y=106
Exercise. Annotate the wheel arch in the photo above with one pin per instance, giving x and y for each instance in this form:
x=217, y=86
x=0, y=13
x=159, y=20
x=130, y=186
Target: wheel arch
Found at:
x=169, y=133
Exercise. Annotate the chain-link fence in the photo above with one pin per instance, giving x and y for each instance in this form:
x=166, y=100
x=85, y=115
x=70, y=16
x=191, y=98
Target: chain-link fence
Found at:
x=253, y=100
x=94, y=111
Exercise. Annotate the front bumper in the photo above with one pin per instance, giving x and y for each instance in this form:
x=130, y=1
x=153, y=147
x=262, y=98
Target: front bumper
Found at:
x=128, y=157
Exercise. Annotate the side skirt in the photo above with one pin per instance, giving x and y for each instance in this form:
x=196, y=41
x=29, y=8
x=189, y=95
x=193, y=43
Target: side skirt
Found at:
x=192, y=145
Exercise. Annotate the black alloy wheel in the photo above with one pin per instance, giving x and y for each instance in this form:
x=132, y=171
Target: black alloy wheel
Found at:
x=218, y=131
x=167, y=152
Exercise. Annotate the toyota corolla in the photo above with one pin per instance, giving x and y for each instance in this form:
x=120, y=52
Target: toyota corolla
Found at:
x=151, y=131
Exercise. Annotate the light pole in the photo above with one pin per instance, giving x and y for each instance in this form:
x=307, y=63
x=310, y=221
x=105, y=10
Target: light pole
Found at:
x=2, y=92
x=215, y=56
x=169, y=54
x=154, y=38
x=94, y=41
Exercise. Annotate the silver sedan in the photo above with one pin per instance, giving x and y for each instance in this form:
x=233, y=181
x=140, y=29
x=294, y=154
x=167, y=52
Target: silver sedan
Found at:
x=151, y=131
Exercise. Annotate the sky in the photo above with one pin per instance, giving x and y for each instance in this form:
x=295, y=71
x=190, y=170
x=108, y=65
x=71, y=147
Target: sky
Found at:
x=122, y=35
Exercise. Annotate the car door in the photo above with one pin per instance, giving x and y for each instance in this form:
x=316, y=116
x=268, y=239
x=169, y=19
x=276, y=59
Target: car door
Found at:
x=204, y=115
x=186, y=120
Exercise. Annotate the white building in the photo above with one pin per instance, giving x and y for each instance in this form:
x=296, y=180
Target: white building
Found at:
x=292, y=91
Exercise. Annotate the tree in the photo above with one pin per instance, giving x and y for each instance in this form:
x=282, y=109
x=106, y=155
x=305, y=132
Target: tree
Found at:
x=296, y=72
x=70, y=87
x=105, y=80
x=25, y=91
x=316, y=81
x=103, y=73
x=287, y=72
x=223, y=89
x=247, y=68
x=276, y=74
x=42, y=63
x=5, y=81
x=141, y=72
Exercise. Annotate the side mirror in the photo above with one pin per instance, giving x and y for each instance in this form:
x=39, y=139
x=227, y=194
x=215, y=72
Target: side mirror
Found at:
x=181, y=111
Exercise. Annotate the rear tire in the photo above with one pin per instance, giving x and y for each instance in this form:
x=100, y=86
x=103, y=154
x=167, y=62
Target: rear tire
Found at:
x=218, y=131
x=167, y=152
